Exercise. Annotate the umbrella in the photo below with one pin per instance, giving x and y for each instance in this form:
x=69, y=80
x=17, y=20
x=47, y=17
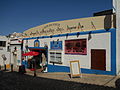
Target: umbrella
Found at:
x=31, y=53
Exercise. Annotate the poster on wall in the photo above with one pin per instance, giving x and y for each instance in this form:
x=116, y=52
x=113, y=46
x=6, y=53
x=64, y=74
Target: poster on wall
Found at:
x=56, y=45
x=75, y=68
x=36, y=43
x=76, y=46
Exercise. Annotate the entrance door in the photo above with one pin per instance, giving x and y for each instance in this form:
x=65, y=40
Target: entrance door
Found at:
x=98, y=59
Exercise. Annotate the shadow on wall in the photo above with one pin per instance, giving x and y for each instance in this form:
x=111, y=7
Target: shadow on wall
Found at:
x=114, y=20
x=108, y=21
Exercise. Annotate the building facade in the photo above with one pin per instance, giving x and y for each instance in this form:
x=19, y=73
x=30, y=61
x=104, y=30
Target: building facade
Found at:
x=10, y=51
x=91, y=40
x=4, y=51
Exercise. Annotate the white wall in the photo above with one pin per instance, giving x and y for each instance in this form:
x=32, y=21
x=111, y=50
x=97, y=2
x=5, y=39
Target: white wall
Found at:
x=116, y=9
x=3, y=50
x=116, y=5
x=118, y=51
x=7, y=55
x=18, y=53
x=98, y=41
x=3, y=38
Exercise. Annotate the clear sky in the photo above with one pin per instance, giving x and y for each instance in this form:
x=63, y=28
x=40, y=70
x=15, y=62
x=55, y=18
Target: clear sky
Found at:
x=20, y=15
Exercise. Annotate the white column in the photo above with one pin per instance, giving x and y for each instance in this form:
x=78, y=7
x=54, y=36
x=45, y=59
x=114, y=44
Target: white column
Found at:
x=116, y=9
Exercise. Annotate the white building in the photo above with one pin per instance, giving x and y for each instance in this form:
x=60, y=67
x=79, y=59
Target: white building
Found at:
x=94, y=41
x=8, y=55
x=15, y=46
x=4, y=51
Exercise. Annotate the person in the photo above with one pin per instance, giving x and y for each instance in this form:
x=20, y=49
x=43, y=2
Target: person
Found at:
x=34, y=66
x=4, y=59
x=43, y=64
x=43, y=59
x=31, y=63
x=15, y=57
x=22, y=69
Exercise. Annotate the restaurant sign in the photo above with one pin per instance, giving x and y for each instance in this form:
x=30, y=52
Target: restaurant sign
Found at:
x=67, y=26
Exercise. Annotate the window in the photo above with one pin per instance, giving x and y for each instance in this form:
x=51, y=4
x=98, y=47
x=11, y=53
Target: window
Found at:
x=77, y=46
x=56, y=57
x=2, y=43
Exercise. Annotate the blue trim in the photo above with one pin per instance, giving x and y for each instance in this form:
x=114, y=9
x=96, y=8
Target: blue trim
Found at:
x=92, y=71
x=36, y=41
x=56, y=68
x=72, y=34
x=37, y=47
x=113, y=52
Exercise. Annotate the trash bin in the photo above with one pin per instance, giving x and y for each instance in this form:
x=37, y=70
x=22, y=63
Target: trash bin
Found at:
x=22, y=69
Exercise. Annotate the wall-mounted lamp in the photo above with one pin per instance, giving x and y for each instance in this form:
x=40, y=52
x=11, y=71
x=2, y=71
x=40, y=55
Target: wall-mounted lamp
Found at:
x=78, y=34
x=50, y=36
x=89, y=36
x=67, y=35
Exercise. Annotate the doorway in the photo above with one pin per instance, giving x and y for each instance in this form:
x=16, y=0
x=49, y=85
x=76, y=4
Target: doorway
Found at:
x=98, y=59
x=40, y=60
x=37, y=61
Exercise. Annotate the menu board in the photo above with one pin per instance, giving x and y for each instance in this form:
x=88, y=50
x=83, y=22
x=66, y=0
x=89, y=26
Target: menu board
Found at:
x=75, y=68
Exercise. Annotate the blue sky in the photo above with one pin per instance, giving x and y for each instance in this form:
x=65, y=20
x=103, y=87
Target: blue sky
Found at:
x=20, y=15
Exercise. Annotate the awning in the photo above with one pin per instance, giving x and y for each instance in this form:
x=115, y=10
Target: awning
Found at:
x=37, y=48
x=31, y=53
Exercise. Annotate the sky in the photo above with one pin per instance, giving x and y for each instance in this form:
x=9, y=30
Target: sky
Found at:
x=20, y=15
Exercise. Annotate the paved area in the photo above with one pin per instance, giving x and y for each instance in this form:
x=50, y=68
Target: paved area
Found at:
x=86, y=78
x=103, y=80
x=55, y=81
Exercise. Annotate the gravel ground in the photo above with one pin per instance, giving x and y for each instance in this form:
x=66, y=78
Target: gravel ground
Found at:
x=17, y=81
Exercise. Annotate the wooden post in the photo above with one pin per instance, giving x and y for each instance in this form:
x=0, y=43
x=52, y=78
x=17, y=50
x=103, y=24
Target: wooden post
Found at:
x=34, y=68
x=11, y=67
x=0, y=67
x=5, y=67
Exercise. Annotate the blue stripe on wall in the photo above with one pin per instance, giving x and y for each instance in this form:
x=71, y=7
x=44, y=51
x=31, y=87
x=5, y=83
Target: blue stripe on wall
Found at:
x=56, y=68
x=71, y=34
x=113, y=52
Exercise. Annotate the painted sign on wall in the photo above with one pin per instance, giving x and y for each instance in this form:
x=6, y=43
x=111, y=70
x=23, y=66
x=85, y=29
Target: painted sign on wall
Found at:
x=37, y=43
x=77, y=46
x=56, y=45
x=70, y=26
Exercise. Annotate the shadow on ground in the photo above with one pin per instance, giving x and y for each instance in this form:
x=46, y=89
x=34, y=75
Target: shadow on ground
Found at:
x=17, y=81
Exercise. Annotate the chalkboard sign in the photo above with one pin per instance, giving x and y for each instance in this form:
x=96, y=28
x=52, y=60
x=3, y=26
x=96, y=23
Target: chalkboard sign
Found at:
x=75, y=68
